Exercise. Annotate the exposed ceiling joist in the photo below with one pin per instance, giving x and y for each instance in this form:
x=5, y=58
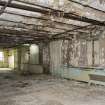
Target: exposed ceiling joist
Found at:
x=85, y=5
x=19, y=34
x=66, y=15
x=27, y=25
x=41, y=18
x=56, y=35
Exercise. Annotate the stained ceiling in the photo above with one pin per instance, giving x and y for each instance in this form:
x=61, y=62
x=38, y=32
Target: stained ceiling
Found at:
x=30, y=21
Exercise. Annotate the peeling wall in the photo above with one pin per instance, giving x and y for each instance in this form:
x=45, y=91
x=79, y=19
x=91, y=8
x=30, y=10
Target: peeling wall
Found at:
x=46, y=57
x=100, y=52
x=55, y=56
x=80, y=54
x=28, y=59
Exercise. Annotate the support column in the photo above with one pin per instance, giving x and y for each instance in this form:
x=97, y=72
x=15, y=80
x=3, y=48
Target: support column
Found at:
x=92, y=52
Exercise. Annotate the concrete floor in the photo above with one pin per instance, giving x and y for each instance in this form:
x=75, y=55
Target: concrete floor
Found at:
x=47, y=90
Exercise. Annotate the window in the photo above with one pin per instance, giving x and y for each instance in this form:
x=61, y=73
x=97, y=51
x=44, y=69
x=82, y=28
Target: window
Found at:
x=1, y=56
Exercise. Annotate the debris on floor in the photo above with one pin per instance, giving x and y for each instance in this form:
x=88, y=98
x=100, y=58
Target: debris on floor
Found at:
x=49, y=90
x=21, y=84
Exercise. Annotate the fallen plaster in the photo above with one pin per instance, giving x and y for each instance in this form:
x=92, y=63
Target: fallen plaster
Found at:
x=48, y=90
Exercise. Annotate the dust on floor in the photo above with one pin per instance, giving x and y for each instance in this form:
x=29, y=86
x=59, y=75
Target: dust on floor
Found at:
x=47, y=90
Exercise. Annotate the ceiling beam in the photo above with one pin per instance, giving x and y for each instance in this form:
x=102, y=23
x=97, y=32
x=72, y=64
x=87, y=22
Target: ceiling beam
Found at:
x=12, y=30
x=46, y=12
x=42, y=26
x=56, y=35
x=41, y=6
x=17, y=39
x=41, y=18
x=85, y=5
